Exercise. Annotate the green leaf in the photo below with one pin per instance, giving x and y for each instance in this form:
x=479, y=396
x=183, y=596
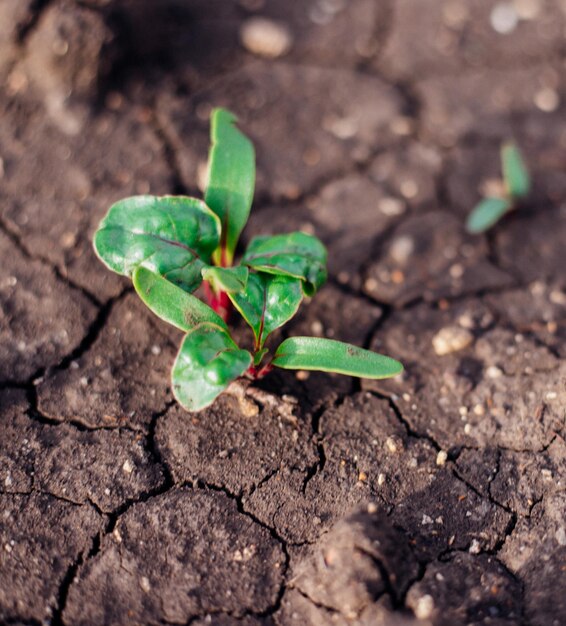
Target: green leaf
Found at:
x=206, y=364
x=171, y=235
x=171, y=303
x=295, y=254
x=231, y=180
x=267, y=303
x=228, y=279
x=515, y=174
x=327, y=355
x=258, y=356
x=487, y=213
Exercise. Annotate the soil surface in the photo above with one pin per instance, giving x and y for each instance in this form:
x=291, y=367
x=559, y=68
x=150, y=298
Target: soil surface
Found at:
x=438, y=498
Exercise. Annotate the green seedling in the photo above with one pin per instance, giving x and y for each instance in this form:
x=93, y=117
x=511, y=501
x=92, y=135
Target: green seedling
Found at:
x=172, y=245
x=516, y=185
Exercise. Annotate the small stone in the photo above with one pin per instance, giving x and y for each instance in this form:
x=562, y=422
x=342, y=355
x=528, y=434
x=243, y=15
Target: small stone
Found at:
x=493, y=372
x=475, y=547
x=302, y=375
x=391, y=445
x=397, y=277
x=409, y=189
x=468, y=429
x=402, y=126
x=547, y=100
x=424, y=607
x=341, y=127
x=441, y=457
x=426, y=520
x=391, y=206
x=560, y=535
x=456, y=270
x=317, y=329
x=504, y=18
x=381, y=479
x=83, y=381
x=401, y=249
x=451, y=339
x=371, y=284
x=128, y=467
x=362, y=477
x=265, y=37
x=156, y=350
x=144, y=584
x=372, y=508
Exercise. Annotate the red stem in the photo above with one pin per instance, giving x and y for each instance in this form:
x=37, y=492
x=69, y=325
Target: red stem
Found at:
x=219, y=302
x=256, y=373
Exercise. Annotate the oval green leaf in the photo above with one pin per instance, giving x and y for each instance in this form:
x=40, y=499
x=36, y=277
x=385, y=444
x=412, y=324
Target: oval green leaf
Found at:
x=231, y=180
x=267, y=303
x=171, y=303
x=487, y=213
x=515, y=174
x=295, y=254
x=207, y=362
x=173, y=236
x=228, y=279
x=327, y=355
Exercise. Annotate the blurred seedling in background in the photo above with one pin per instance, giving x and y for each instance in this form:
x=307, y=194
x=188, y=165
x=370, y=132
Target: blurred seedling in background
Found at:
x=515, y=186
x=170, y=245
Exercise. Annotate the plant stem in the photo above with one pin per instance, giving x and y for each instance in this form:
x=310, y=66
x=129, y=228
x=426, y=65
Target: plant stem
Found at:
x=219, y=302
x=255, y=373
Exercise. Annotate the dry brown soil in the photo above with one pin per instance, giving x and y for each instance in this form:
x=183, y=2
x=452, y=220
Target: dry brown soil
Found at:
x=436, y=499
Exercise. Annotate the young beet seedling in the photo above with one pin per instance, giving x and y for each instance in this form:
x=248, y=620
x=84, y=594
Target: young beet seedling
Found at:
x=169, y=245
x=516, y=185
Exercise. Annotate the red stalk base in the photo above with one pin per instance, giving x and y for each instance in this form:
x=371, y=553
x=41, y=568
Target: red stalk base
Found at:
x=218, y=302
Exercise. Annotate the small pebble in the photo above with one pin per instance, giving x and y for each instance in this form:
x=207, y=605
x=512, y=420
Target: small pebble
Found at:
x=371, y=284
x=441, y=457
x=475, y=547
x=381, y=479
x=493, y=372
x=401, y=249
x=391, y=444
x=391, y=206
x=317, y=329
x=547, y=100
x=561, y=536
x=451, y=339
x=424, y=607
x=504, y=18
x=409, y=189
x=144, y=584
x=128, y=467
x=341, y=127
x=265, y=37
